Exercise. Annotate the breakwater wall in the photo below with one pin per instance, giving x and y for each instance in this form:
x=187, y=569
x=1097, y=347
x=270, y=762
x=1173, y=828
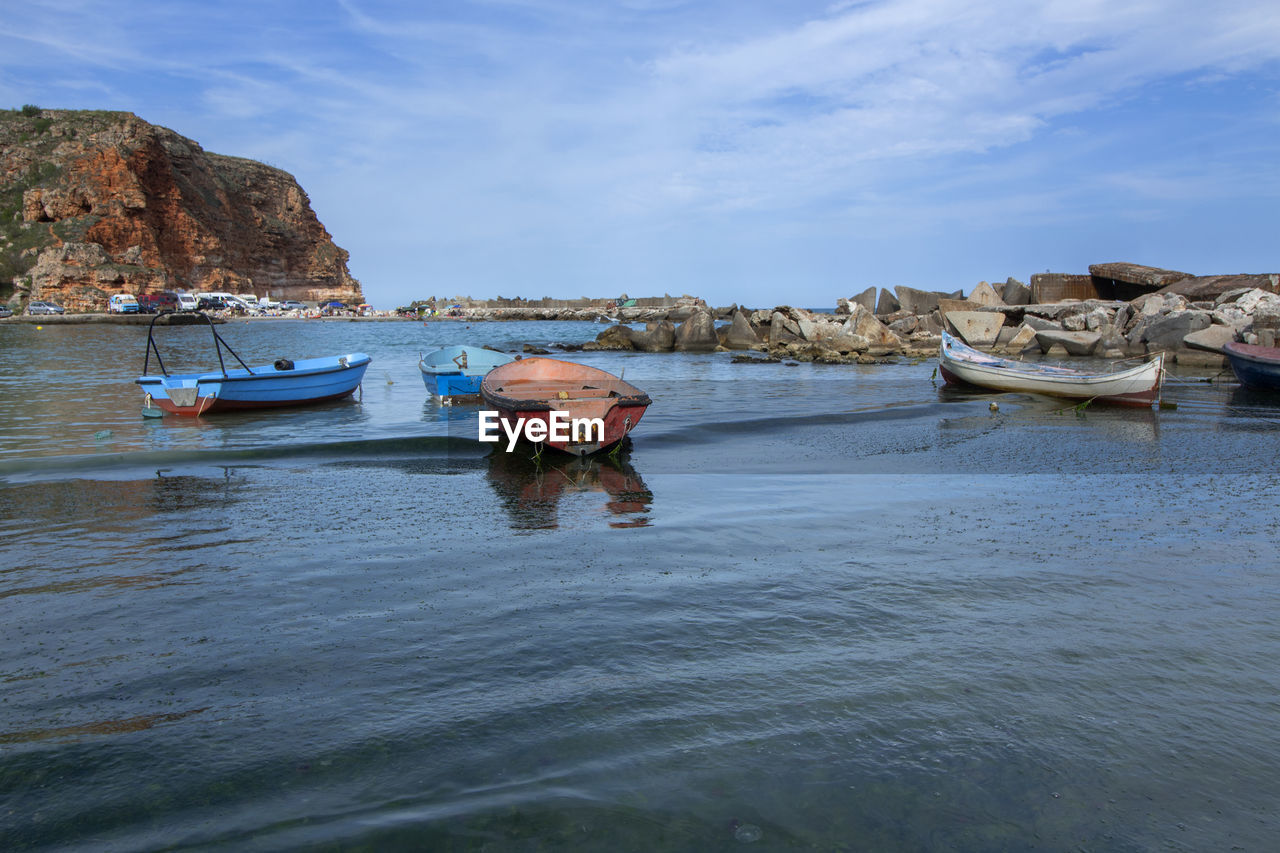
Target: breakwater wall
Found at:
x=1188, y=318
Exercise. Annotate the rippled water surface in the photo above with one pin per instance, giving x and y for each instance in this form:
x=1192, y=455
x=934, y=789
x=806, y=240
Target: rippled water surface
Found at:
x=811, y=607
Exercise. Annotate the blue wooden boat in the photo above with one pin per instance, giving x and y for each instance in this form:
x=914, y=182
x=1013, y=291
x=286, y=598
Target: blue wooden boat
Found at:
x=453, y=374
x=1255, y=366
x=284, y=383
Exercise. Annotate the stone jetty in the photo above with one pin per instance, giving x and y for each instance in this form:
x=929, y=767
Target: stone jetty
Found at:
x=1117, y=311
x=621, y=309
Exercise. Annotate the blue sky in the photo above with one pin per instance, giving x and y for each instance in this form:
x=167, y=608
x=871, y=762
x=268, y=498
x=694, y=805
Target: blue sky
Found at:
x=746, y=151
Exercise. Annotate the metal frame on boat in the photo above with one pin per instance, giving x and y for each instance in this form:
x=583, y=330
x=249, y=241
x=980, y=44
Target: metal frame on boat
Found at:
x=452, y=374
x=285, y=383
x=1138, y=386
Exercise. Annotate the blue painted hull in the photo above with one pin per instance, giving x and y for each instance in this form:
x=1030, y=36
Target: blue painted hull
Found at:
x=452, y=384
x=310, y=380
x=456, y=372
x=1255, y=367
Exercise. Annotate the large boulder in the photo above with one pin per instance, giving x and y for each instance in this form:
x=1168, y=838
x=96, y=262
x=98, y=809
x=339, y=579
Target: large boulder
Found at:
x=1213, y=338
x=977, y=328
x=782, y=329
x=1151, y=304
x=1056, y=310
x=658, y=336
x=1075, y=343
x=1023, y=337
x=1266, y=316
x=1111, y=343
x=917, y=301
x=1040, y=324
x=1233, y=294
x=680, y=313
x=1251, y=300
x=847, y=343
x=985, y=294
x=902, y=324
x=867, y=299
x=863, y=324
x=1230, y=315
x=931, y=323
x=698, y=333
x=1098, y=318
x=947, y=304
x=1015, y=293
x=809, y=328
x=612, y=338
x=888, y=304
x=1167, y=333
x=739, y=334
x=1211, y=286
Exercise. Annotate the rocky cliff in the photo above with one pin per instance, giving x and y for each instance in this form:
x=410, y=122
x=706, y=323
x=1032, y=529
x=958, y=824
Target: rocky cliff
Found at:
x=95, y=203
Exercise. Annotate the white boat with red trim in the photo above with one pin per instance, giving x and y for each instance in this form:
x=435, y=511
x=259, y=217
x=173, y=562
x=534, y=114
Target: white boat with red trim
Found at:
x=1139, y=386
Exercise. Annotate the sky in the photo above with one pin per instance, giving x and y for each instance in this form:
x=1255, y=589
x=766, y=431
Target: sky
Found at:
x=756, y=152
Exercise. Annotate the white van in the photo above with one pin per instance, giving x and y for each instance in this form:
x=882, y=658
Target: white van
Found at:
x=122, y=303
x=188, y=302
x=250, y=299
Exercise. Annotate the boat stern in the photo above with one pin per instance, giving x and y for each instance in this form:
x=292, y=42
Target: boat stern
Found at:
x=183, y=397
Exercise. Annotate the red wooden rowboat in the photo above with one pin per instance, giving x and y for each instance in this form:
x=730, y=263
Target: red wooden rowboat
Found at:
x=567, y=395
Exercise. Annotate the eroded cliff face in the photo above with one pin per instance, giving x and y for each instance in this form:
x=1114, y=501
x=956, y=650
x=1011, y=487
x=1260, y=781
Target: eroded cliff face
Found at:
x=96, y=203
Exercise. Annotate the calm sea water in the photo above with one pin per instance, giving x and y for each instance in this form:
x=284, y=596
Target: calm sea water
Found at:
x=812, y=607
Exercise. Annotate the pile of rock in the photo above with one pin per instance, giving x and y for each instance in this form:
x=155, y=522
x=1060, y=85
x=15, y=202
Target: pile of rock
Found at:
x=869, y=328
x=906, y=322
x=1191, y=332
x=783, y=331
x=677, y=310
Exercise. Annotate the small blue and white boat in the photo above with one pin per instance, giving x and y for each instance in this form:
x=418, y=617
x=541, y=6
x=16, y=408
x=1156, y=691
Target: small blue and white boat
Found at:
x=284, y=383
x=453, y=374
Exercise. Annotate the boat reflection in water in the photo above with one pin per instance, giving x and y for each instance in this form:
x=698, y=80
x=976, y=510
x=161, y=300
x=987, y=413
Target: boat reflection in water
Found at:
x=1250, y=410
x=540, y=493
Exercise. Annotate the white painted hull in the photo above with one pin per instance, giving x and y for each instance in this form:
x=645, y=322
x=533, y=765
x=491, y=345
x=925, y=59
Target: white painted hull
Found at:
x=1138, y=385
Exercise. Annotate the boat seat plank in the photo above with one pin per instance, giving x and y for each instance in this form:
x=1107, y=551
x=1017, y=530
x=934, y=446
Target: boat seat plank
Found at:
x=533, y=390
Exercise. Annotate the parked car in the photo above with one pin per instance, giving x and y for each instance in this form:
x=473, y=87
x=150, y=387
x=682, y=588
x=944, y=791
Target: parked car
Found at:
x=41, y=307
x=212, y=303
x=122, y=303
x=164, y=302
x=292, y=305
x=188, y=302
x=5, y=311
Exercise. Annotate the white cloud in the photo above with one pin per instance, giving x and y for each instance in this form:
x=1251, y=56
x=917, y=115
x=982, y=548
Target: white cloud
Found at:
x=834, y=97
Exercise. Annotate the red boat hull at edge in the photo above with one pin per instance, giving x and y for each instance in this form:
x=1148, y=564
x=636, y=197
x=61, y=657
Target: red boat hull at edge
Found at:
x=533, y=389
x=618, y=422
